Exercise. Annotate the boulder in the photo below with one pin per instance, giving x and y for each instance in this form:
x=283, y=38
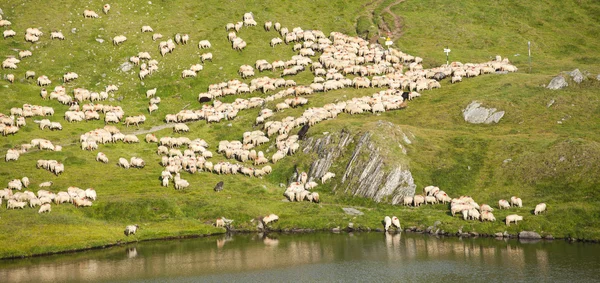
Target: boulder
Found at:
x=126, y=67
x=557, y=82
x=352, y=211
x=474, y=113
x=529, y=235
x=577, y=76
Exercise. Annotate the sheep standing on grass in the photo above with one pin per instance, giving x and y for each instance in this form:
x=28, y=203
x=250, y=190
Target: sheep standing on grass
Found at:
x=106, y=8
x=90, y=14
x=513, y=218
x=45, y=208
x=131, y=229
x=539, y=208
x=515, y=201
x=119, y=39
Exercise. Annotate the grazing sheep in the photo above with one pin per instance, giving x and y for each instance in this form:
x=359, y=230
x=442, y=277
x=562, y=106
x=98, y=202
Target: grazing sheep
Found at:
x=106, y=8
x=539, y=208
x=10, y=78
x=147, y=29
x=515, y=201
x=326, y=177
x=101, y=157
x=119, y=39
x=269, y=219
x=29, y=74
x=123, y=163
x=206, y=57
x=25, y=182
x=57, y=35
x=45, y=208
x=219, y=186
x=485, y=207
x=89, y=14
x=513, y=218
x=315, y=197
x=9, y=33
x=131, y=229
x=204, y=44
x=47, y=184
x=408, y=200
x=487, y=216
x=503, y=204
x=418, y=200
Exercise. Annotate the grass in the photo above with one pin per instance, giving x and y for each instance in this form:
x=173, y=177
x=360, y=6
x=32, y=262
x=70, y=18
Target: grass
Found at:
x=527, y=154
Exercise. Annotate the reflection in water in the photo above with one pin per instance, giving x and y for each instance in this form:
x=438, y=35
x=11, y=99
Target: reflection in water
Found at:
x=316, y=257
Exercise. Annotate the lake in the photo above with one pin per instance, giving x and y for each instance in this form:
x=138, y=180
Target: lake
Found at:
x=329, y=257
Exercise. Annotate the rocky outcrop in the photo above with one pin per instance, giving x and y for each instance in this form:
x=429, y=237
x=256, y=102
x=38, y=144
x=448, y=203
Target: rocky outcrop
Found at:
x=367, y=172
x=557, y=82
x=529, y=235
x=577, y=76
x=474, y=113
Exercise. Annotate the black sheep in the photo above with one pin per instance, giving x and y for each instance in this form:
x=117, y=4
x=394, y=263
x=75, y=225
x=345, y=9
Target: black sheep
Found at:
x=303, y=131
x=219, y=186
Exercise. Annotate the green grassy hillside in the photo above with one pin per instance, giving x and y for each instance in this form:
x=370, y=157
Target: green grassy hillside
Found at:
x=527, y=154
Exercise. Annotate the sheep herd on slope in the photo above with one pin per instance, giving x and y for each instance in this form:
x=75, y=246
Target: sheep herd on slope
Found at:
x=337, y=61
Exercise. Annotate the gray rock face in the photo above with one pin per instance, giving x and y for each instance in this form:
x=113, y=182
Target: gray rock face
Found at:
x=125, y=67
x=577, y=76
x=364, y=175
x=557, y=82
x=474, y=113
x=529, y=235
x=352, y=211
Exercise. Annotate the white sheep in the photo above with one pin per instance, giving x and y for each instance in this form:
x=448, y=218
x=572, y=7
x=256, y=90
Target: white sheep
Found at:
x=46, y=184
x=503, y=204
x=10, y=78
x=487, y=216
x=206, y=57
x=147, y=29
x=180, y=127
x=513, y=218
x=91, y=193
x=131, y=229
x=515, y=201
x=396, y=222
x=204, y=44
x=9, y=33
x=119, y=39
x=539, y=208
x=57, y=35
x=106, y=8
x=25, y=182
x=101, y=157
x=45, y=208
x=123, y=163
x=387, y=223
x=89, y=14
x=156, y=36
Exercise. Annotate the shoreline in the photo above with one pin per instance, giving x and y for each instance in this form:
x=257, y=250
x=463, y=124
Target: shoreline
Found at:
x=287, y=231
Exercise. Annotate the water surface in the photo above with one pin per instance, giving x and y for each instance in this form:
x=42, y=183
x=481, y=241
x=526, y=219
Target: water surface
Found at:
x=357, y=257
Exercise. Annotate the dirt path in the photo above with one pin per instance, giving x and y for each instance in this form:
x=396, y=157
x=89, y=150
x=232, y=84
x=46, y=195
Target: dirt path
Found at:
x=153, y=129
x=396, y=32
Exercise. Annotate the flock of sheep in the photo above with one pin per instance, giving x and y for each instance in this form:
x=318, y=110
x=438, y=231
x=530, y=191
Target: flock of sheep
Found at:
x=342, y=61
x=44, y=198
x=467, y=207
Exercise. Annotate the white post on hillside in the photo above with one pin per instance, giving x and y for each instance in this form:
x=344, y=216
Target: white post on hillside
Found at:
x=447, y=51
x=529, y=51
x=388, y=42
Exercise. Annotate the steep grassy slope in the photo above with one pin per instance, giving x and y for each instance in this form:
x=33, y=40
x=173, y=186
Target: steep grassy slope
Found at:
x=527, y=154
